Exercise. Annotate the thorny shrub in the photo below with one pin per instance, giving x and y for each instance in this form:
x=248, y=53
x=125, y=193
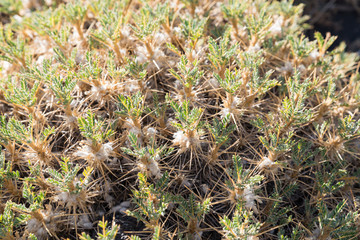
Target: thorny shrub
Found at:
x=176, y=119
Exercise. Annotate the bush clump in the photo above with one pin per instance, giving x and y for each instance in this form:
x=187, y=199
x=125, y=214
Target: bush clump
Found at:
x=185, y=119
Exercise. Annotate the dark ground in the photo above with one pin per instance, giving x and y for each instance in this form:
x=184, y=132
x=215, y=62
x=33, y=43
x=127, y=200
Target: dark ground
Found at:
x=339, y=17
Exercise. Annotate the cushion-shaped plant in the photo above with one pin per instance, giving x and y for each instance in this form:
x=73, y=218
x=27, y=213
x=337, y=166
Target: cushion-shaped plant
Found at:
x=209, y=119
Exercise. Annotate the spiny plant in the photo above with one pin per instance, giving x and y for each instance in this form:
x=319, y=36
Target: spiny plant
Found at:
x=33, y=137
x=94, y=149
x=12, y=49
x=241, y=186
x=189, y=38
x=131, y=109
x=8, y=180
x=189, y=128
x=188, y=77
x=334, y=139
x=146, y=29
x=242, y=225
x=7, y=222
x=105, y=233
x=19, y=94
x=152, y=202
x=200, y=119
x=6, y=139
x=75, y=14
x=221, y=54
x=158, y=112
x=193, y=213
x=334, y=222
x=72, y=191
x=148, y=156
x=63, y=89
x=220, y=135
x=41, y=222
x=110, y=35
